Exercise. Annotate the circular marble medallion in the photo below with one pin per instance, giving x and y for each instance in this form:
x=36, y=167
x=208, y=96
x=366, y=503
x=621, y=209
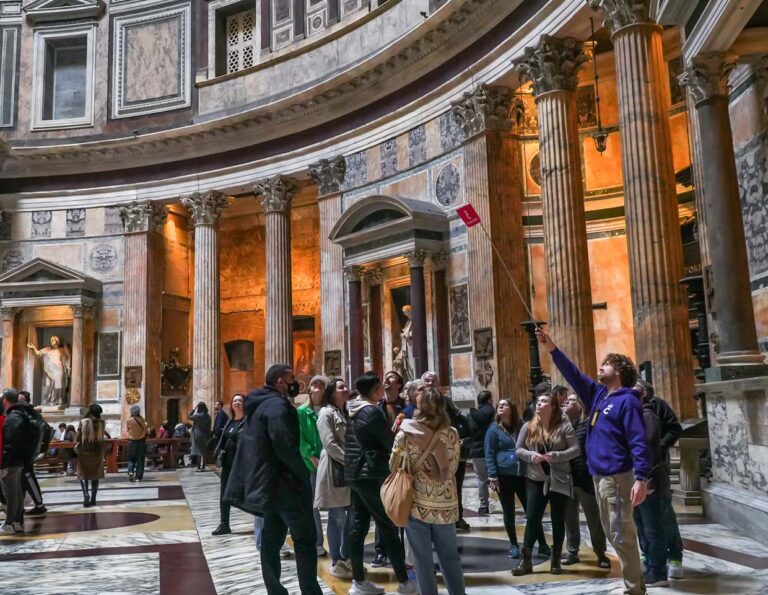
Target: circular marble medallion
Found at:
x=534, y=168
x=448, y=185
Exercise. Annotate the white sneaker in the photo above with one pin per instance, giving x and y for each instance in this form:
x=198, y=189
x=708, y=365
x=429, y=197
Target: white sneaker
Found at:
x=285, y=551
x=7, y=529
x=365, y=587
x=409, y=587
x=321, y=553
x=675, y=569
x=341, y=570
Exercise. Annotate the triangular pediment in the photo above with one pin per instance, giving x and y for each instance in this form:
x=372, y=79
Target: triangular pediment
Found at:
x=61, y=10
x=41, y=279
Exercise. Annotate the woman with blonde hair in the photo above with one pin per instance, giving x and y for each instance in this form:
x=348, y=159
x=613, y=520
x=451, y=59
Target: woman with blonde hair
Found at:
x=90, y=453
x=435, y=507
x=547, y=444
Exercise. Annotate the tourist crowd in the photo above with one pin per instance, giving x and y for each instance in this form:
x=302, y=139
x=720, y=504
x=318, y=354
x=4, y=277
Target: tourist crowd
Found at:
x=396, y=454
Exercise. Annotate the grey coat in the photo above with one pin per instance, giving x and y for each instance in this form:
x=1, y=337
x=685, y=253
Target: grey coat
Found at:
x=565, y=446
x=332, y=427
x=201, y=432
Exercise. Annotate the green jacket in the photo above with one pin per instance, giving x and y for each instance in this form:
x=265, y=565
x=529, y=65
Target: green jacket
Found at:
x=310, y=444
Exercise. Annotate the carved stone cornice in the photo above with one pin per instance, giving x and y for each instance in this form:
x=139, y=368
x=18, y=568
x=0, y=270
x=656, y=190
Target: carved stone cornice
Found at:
x=486, y=108
x=277, y=117
x=373, y=276
x=328, y=174
x=205, y=207
x=276, y=193
x=8, y=314
x=144, y=216
x=707, y=75
x=416, y=258
x=553, y=64
x=353, y=273
x=622, y=13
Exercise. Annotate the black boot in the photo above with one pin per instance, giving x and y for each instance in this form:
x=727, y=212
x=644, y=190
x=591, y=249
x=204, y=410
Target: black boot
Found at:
x=554, y=562
x=525, y=566
x=222, y=530
x=86, y=499
x=94, y=489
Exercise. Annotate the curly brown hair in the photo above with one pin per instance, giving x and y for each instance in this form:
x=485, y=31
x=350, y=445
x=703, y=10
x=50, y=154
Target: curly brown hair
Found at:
x=624, y=366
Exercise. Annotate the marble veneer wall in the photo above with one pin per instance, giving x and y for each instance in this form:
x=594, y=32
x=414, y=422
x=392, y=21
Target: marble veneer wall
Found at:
x=86, y=240
x=750, y=137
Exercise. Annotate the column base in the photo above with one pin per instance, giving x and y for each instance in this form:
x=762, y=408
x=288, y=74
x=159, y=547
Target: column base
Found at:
x=724, y=372
x=745, y=511
x=681, y=496
x=75, y=410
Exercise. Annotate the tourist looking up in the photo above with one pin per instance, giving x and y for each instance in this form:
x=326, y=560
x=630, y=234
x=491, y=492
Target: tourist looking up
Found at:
x=17, y=449
x=270, y=479
x=393, y=402
x=311, y=446
x=225, y=453
x=369, y=442
x=559, y=395
x=649, y=515
x=201, y=432
x=331, y=491
x=583, y=492
x=547, y=444
x=220, y=419
x=90, y=453
x=506, y=472
x=617, y=452
x=435, y=506
x=136, y=428
x=478, y=421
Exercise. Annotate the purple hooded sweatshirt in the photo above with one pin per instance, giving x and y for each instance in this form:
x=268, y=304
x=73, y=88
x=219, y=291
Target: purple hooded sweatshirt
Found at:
x=616, y=441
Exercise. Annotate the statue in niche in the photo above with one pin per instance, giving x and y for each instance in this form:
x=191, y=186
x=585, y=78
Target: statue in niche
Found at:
x=56, y=370
x=174, y=376
x=403, y=361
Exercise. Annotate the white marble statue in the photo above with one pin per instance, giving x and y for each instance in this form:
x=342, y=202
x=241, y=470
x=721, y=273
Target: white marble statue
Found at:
x=56, y=368
x=403, y=362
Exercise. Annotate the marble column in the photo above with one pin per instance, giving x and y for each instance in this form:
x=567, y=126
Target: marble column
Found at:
x=354, y=275
x=142, y=305
x=276, y=196
x=76, y=397
x=373, y=280
x=442, y=328
x=206, y=209
x=552, y=66
x=707, y=80
x=416, y=260
x=492, y=181
x=659, y=304
x=328, y=175
x=6, y=372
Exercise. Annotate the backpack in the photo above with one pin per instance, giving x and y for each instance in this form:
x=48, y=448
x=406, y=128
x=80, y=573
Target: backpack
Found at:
x=48, y=433
x=37, y=430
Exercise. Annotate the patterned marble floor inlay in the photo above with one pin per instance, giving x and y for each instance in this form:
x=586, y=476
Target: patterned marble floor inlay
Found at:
x=155, y=538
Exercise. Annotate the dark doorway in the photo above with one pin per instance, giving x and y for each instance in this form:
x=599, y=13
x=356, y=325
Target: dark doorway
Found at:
x=172, y=412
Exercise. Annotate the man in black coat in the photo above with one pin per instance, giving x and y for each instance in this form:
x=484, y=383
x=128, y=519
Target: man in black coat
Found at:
x=269, y=479
x=479, y=420
x=18, y=449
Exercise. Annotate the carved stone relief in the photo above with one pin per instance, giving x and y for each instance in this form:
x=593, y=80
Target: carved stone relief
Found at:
x=753, y=188
x=41, y=224
x=75, y=223
x=448, y=185
x=112, y=220
x=450, y=133
x=417, y=145
x=389, y=158
x=11, y=259
x=357, y=171
x=103, y=258
x=459, y=305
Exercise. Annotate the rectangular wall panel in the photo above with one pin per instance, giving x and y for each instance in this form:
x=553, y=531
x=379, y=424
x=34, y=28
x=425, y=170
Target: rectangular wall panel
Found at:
x=9, y=49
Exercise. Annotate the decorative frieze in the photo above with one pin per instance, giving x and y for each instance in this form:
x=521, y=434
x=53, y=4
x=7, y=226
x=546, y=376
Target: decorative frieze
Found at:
x=486, y=108
x=328, y=174
x=707, y=75
x=143, y=217
x=276, y=193
x=621, y=13
x=205, y=207
x=553, y=64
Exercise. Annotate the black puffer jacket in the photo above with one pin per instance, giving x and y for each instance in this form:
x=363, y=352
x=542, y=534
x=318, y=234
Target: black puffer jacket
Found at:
x=268, y=473
x=369, y=442
x=479, y=420
x=581, y=477
x=18, y=440
x=658, y=480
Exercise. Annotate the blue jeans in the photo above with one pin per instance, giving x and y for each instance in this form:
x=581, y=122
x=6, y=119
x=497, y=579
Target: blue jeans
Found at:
x=652, y=535
x=422, y=537
x=339, y=532
x=674, y=540
x=258, y=525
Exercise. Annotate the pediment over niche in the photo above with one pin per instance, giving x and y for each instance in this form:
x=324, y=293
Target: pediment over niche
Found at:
x=63, y=10
x=42, y=282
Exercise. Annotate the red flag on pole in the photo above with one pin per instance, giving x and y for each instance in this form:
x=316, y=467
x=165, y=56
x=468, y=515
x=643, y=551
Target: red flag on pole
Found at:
x=468, y=215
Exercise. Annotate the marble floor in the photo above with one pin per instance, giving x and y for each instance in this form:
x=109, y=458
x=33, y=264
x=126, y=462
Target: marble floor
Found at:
x=155, y=537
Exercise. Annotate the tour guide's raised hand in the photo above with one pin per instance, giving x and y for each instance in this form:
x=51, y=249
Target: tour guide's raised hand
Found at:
x=545, y=339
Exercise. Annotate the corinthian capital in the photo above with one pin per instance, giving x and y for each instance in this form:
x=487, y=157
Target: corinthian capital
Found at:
x=552, y=65
x=353, y=273
x=707, y=75
x=8, y=314
x=620, y=13
x=328, y=174
x=205, y=207
x=143, y=216
x=485, y=108
x=416, y=258
x=276, y=193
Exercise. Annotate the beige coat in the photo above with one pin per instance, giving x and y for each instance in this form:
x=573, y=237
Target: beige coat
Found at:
x=332, y=427
x=136, y=428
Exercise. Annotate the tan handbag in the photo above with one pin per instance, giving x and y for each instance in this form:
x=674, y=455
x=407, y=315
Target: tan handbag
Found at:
x=397, y=491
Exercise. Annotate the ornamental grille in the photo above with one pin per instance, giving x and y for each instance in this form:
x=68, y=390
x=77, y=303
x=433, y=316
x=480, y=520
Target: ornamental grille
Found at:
x=240, y=37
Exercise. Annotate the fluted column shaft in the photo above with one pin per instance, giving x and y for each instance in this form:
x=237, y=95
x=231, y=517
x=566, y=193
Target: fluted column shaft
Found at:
x=76, y=387
x=356, y=343
x=660, y=311
x=206, y=209
x=6, y=373
x=279, y=324
x=418, y=313
x=569, y=291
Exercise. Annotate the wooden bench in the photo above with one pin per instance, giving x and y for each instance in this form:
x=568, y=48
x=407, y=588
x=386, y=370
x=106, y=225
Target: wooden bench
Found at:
x=116, y=451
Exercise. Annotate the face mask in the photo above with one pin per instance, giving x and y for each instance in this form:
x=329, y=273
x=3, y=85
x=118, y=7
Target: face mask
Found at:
x=293, y=389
